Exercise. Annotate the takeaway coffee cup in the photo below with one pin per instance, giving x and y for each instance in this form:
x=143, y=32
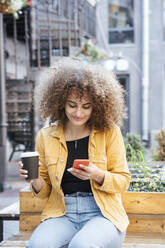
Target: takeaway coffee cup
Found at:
x=30, y=162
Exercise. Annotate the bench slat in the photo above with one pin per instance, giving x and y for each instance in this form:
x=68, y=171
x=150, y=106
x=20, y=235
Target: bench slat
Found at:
x=131, y=241
x=136, y=245
x=10, y=211
x=134, y=202
x=138, y=222
x=147, y=223
x=145, y=238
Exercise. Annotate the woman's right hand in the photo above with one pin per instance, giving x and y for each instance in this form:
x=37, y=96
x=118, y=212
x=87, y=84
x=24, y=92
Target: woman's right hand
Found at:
x=36, y=183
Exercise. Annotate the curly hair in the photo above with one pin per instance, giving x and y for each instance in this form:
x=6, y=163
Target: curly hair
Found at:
x=68, y=75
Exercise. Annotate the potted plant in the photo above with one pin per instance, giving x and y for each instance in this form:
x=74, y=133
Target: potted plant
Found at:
x=144, y=177
x=13, y=6
x=145, y=199
x=135, y=149
x=91, y=51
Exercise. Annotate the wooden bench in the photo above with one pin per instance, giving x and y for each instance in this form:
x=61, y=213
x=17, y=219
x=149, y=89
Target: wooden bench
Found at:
x=8, y=213
x=147, y=220
x=146, y=211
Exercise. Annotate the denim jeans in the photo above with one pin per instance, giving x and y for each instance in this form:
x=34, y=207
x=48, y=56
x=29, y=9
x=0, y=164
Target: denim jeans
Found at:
x=83, y=226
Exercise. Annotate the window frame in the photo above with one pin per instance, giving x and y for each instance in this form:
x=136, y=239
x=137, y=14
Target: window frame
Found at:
x=120, y=31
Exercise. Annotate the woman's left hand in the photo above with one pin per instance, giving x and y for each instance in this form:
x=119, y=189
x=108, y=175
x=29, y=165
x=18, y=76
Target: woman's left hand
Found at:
x=88, y=172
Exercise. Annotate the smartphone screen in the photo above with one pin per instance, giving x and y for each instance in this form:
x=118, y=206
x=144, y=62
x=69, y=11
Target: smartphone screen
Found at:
x=77, y=162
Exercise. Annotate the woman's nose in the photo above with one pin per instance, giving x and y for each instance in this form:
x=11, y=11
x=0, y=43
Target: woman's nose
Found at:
x=78, y=111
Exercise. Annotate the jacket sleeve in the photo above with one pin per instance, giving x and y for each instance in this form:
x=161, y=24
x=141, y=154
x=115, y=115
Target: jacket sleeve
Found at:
x=43, y=172
x=117, y=176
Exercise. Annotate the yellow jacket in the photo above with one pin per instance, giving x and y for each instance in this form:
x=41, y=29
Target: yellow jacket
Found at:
x=106, y=150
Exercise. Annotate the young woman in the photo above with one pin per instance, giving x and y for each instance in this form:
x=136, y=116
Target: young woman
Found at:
x=85, y=107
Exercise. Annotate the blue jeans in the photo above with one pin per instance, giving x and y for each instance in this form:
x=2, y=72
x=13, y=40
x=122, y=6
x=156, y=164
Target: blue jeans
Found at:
x=83, y=226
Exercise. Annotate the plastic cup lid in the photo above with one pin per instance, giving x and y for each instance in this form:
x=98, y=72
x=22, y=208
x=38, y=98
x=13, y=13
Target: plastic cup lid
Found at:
x=29, y=154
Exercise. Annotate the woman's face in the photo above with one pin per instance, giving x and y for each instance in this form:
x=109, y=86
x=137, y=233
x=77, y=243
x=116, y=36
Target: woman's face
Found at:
x=78, y=110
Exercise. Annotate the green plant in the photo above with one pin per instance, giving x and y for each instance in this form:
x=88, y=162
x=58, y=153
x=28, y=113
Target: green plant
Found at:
x=13, y=6
x=160, y=138
x=92, y=51
x=145, y=178
x=135, y=149
x=155, y=154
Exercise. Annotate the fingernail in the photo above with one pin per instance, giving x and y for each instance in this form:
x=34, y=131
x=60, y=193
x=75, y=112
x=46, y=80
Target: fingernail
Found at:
x=69, y=169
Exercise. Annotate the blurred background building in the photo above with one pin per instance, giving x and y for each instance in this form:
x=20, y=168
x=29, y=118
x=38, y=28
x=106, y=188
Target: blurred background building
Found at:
x=133, y=34
x=44, y=31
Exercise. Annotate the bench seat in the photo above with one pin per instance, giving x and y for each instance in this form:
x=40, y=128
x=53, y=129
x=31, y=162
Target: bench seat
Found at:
x=135, y=240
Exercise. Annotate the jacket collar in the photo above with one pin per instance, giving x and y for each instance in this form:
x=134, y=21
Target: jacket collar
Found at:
x=58, y=132
x=57, y=129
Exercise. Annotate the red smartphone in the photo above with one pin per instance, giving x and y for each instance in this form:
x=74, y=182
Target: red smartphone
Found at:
x=77, y=162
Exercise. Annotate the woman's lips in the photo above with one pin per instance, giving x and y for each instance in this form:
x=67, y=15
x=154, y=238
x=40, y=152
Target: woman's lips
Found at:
x=77, y=119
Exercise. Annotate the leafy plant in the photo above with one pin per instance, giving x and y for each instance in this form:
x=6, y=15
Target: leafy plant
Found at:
x=160, y=138
x=92, y=51
x=135, y=149
x=13, y=6
x=155, y=155
x=144, y=177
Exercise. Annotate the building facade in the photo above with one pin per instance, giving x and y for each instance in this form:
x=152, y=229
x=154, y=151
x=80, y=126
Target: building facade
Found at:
x=133, y=34
x=44, y=32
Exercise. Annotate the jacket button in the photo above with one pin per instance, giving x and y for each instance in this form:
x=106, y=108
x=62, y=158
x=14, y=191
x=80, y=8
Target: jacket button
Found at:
x=56, y=177
x=46, y=161
x=61, y=160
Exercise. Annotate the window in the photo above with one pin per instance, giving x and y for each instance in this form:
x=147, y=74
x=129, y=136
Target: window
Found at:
x=121, y=21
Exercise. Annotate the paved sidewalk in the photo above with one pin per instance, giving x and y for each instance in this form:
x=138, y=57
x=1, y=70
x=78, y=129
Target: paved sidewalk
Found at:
x=11, y=194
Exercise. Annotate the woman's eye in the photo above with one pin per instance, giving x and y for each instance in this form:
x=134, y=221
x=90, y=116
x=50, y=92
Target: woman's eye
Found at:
x=87, y=107
x=72, y=106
